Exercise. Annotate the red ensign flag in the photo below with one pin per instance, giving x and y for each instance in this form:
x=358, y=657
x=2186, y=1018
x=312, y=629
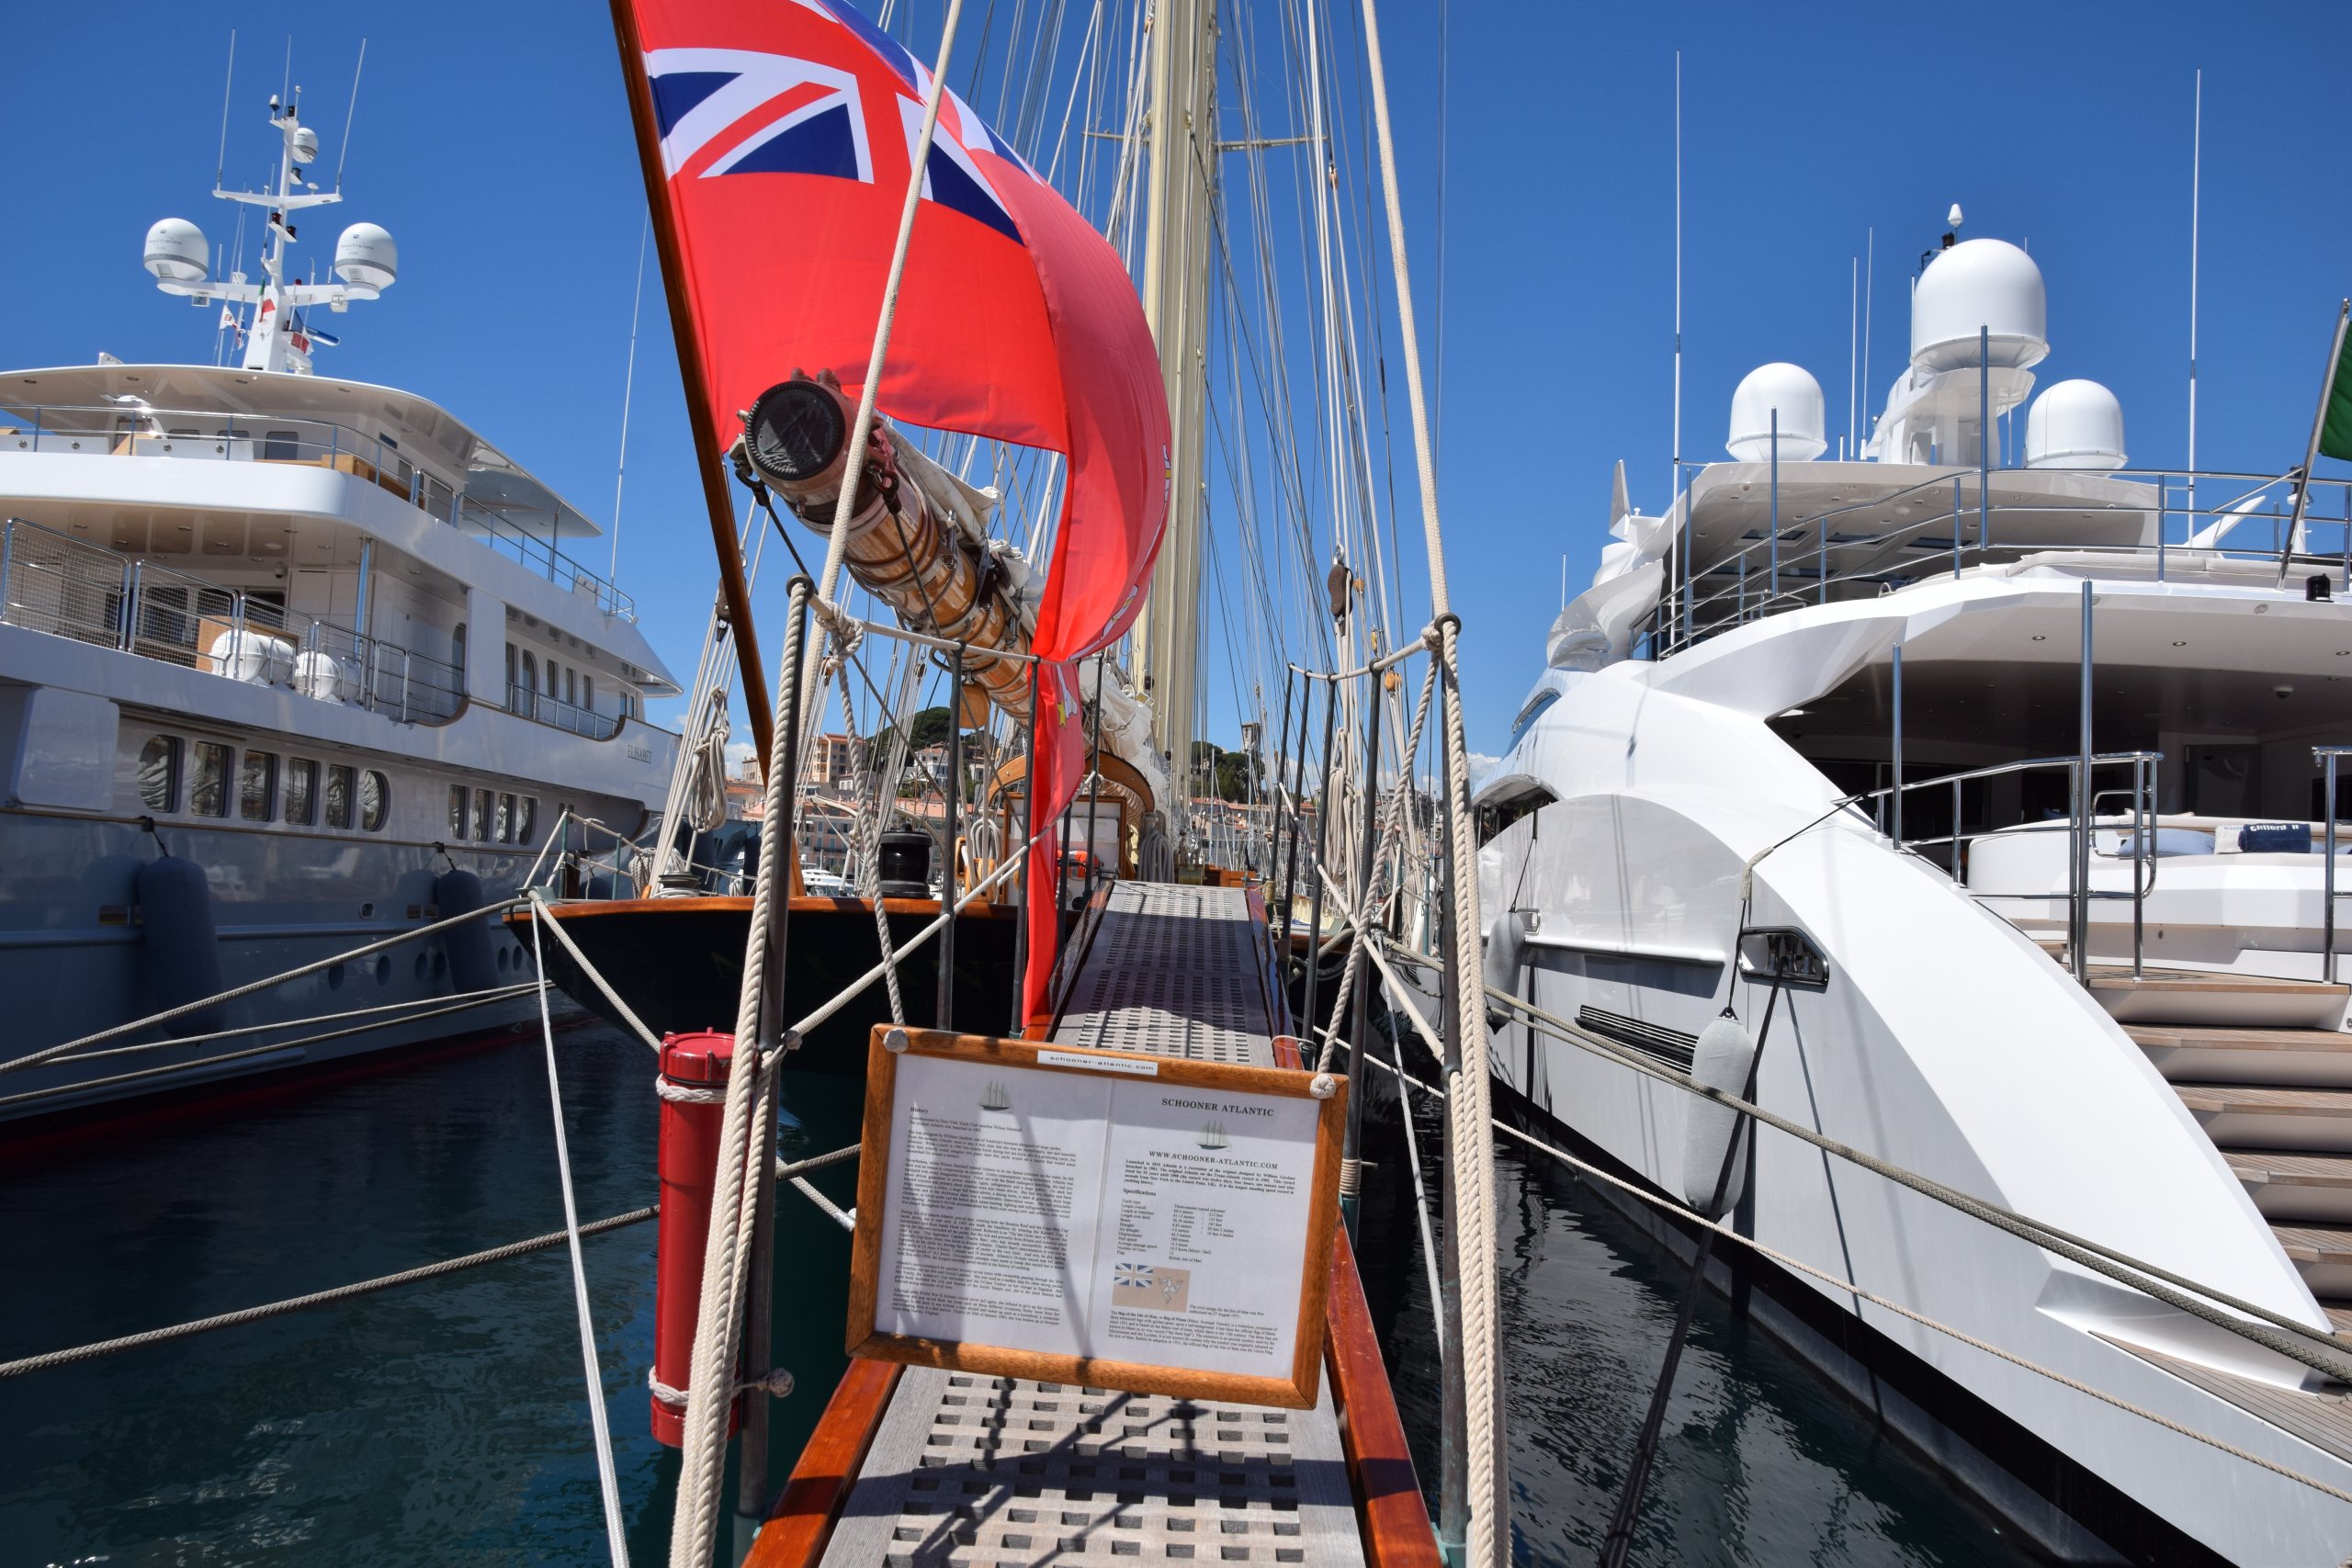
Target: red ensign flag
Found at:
x=786, y=130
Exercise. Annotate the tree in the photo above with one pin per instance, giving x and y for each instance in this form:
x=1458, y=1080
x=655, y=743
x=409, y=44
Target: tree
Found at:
x=929, y=727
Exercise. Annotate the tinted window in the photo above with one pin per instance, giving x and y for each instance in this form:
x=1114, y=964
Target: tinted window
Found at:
x=257, y=786
x=302, y=791
x=208, y=792
x=375, y=799
x=457, y=811
x=505, y=819
x=526, y=819
x=339, y=792
x=1531, y=713
x=159, y=773
x=481, y=813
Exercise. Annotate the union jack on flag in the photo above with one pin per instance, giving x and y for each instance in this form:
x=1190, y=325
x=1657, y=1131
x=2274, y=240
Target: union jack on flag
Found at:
x=1131, y=1277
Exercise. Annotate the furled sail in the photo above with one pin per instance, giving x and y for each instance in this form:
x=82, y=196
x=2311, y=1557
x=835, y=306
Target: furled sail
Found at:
x=785, y=133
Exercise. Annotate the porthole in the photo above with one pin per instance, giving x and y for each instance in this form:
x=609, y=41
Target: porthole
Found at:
x=334, y=976
x=503, y=960
x=383, y=968
x=423, y=967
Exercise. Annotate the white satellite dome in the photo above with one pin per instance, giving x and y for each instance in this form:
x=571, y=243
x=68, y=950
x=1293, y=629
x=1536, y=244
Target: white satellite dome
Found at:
x=176, y=252
x=303, y=146
x=1792, y=393
x=2074, y=424
x=366, y=257
x=1979, y=283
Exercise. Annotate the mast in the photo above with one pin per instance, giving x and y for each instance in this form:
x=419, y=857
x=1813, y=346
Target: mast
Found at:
x=1175, y=303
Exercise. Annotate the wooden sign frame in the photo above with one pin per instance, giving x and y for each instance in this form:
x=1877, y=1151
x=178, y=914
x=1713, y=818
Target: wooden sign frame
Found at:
x=1297, y=1392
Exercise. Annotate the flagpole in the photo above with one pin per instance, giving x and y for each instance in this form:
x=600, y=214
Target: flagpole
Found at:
x=709, y=452
x=2319, y=428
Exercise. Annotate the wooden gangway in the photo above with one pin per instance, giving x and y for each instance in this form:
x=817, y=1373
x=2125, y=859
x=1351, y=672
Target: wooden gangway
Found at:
x=923, y=1468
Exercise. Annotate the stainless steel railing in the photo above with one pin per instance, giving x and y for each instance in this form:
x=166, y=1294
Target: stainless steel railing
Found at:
x=2080, y=826
x=538, y=705
x=66, y=587
x=213, y=435
x=1794, y=562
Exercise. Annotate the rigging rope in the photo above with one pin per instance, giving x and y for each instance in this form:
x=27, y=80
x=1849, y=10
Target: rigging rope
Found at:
x=609, y=1483
x=1470, y=1107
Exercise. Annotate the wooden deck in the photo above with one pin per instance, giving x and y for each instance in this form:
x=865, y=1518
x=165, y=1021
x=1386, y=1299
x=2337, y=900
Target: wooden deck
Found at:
x=929, y=1469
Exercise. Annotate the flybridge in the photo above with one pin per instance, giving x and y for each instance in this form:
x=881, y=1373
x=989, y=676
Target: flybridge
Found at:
x=277, y=336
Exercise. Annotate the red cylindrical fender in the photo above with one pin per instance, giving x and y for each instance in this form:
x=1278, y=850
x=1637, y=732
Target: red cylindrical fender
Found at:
x=693, y=1090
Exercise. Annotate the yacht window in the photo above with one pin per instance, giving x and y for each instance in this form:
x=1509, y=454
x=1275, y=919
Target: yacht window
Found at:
x=457, y=798
x=481, y=813
x=302, y=791
x=339, y=782
x=629, y=704
x=588, y=692
x=505, y=819
x=510, y=666
x=572, y=687
x=1531, y=713
x=526, y=819
x=257, y=786
x=530, y=677
x=207, y=794
x=159, y=773
x=458, y=649
x=281, y=447
x=375, y=800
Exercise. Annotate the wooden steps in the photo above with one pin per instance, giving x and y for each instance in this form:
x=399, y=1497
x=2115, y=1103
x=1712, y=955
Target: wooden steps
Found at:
x=2204, y=1052
x=2216, y=998
x=2323, y=1255
x=2247, y=1116
x=2300, y=1189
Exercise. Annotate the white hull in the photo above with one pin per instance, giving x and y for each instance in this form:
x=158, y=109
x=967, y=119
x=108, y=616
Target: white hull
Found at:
x=1946, y=1041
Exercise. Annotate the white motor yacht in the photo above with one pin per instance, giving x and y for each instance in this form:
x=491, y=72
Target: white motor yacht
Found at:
x=288, y=665
x=2005, y=765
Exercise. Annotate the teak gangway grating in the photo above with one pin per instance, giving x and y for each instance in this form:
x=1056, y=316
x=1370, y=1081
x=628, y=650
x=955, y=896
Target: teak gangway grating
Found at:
x=976, y=1471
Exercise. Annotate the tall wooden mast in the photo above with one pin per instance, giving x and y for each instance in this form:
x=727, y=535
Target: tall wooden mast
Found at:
x=1175, y=302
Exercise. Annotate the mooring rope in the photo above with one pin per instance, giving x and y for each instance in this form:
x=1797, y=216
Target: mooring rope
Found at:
x=1847, y=1287
x=235, y=993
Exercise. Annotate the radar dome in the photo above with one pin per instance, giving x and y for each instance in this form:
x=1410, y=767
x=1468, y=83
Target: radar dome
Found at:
x=366, y=257
x=304, y=146
x=1790, y=392
x=2074, y=424
x=176, y=252
x=1979, y=283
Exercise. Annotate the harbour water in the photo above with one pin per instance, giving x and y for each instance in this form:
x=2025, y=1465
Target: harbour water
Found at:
x=444, y=1421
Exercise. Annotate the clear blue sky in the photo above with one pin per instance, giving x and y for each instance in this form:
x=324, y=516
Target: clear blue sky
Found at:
x=493, y=142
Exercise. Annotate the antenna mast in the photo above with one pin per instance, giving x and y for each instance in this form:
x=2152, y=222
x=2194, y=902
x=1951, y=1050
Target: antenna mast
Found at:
x=1869, y=281
x=2196, y=190
x=220, y=163
x=628, y=386
x=343, y=152
x=1676, y=487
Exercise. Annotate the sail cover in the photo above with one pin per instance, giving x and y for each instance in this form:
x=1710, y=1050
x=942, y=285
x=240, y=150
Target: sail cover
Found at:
x=785, y=132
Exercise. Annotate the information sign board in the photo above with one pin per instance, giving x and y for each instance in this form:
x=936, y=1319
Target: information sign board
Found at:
x=1095, y=1217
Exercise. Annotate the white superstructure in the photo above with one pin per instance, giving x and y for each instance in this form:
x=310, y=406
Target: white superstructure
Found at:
x=2112, y=1021
x=320, y=640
